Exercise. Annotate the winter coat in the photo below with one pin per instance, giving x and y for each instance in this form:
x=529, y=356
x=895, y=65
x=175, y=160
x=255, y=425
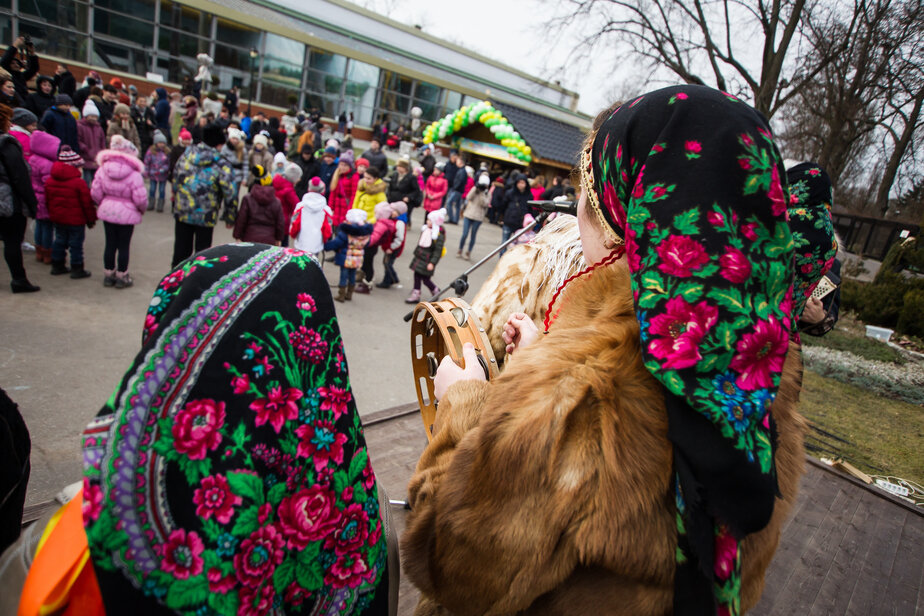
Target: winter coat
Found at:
x=157, y=164
x=128, y=131
x=310, y=226
x=548, y=490
x=24, y=138
x=516, y=207
x=62, y=125
x=118, y=188
x=449, y=172
x=458, y=180
x=311, y=168
x=377, y=160
x=383, y=233
x=92, y=140
x=162, y=111
x=68, y=196
x=367, y=198
x=350, y=244
x=105, y=110
x=553, y=191
x=65, y=83
x=14, y=172
x=406, y=186
x=238, y=170
x=144, y=124
x=476, y=204
x=285, y=192
x=326, y=173
x=342, y=196
x=431, y=254
x=44, y=154
x=428, y=163
x=436, y=189
x=202, y=182
x=260, y=218
x=263, y=157
x=38, y=102
x=175, y=153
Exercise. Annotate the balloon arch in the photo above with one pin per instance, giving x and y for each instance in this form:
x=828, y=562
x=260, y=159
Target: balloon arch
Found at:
x=485, y=113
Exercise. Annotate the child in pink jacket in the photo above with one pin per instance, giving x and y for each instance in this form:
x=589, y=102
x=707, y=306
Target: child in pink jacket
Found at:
x=118, y=189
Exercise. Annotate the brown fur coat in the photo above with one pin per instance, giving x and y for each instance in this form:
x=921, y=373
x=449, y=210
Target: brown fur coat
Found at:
x=547, y=491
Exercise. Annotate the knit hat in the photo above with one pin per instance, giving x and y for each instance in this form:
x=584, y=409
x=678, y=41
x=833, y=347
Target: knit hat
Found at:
x=185, y=135
x=437, y=217
x=333, y=143
x=330, y=150
x=279, y=158
x=213, y=135
x=382, y=210
x=90, y=109
x=483, y=180
x=159, y=137
x=121, y=108
x=347, y=157
x=362, y=162
x=260, y=140
x=116, y=83
x=439, y=167
x=63, y=99
x=263, y=178
x=403, y=162
x=292, y=172
x=121, y=144
x=398, y=206
x=356, y=216
x=315, y=185
x=23, y=117
x=68, y=156
x=235, y=133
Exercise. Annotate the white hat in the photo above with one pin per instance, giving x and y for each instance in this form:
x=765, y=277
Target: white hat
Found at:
x=293, y=173
x=89, y=109
x=260, y=140
x=279, y=158
x=234, y=133
x=356, y=216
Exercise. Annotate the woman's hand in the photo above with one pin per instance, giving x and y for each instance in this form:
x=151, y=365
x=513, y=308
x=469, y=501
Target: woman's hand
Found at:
x=429, y=267
x=519, y=332
x=814, y=311
x=450, y=373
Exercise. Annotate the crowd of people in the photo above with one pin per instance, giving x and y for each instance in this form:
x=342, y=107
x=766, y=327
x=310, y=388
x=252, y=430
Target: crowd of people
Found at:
x=252, y=173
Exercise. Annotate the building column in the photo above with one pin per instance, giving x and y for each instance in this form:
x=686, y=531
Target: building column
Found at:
x=156, y=50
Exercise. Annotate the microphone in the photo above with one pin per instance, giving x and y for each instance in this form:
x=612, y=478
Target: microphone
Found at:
x=559, y=207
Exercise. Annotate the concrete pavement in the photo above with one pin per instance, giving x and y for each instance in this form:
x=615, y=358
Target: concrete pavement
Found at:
x=65, y=348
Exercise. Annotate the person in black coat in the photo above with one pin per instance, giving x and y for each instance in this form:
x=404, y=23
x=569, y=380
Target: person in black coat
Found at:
x=22, y=64
x=145, y=122
x=427, y=161
x=65, y=82
x=82, y=94
x=15, y=181
x=59, y=122
x=231, y=100
x=516, y=207
x=310, y=166
x=376, y=157
x=44, y=96
x=277, y=137
x=557, y=189
x=403, y=186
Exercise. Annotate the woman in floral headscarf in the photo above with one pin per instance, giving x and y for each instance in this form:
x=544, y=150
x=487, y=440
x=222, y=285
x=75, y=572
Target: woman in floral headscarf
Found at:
x=641, y=457
x=228, y=473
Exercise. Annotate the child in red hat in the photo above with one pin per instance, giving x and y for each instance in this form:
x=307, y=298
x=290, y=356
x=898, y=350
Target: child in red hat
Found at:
x=70, y=209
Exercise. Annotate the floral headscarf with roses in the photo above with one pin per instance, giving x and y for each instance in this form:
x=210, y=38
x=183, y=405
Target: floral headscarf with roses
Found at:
x=228, y=473
x=690, y=179
x=810, y=196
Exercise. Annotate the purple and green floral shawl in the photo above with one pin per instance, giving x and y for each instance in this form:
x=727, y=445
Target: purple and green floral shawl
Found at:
x=812, y=229
x=690, y=178
x=228, y=473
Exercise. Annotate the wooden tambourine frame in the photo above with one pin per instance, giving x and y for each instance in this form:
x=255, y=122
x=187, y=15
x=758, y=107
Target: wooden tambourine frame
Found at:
x=439, y=329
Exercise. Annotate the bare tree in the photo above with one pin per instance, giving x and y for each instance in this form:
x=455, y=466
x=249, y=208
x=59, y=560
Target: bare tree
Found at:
x=706, y=41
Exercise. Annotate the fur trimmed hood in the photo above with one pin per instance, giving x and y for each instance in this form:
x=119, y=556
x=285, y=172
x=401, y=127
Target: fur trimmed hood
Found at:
x=132, y=162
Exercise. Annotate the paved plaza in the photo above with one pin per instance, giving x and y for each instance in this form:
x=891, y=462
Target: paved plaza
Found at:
x=65, y=348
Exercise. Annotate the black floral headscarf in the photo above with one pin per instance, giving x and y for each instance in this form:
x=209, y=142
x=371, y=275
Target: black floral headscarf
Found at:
x=690, y=179
x=812, y=229
x=228, y=473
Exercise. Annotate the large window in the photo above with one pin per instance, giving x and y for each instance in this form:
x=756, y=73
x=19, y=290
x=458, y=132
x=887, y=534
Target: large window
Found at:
x=61, y=13
x=282, y=71
x=185, y=20
x=119, y=26
x=359, y=93
x=64, y=43
x=120, y=57
x=142, y=9
x=429, y=98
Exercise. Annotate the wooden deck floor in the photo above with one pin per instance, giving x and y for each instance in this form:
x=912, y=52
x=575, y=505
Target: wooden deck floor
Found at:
x=845, y=550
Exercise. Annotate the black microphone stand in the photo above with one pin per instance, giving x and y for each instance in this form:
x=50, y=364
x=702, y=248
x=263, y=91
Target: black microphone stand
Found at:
x=460, y=284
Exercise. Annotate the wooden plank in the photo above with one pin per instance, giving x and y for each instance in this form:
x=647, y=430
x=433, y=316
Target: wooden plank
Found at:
x=869, y=593
x=838, y=585
x=813, y=565
x=905, y=578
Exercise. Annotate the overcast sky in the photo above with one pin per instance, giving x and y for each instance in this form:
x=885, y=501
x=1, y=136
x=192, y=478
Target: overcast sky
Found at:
x=510, y=31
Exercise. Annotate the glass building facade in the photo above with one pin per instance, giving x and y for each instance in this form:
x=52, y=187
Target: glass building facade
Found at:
x=164, y=37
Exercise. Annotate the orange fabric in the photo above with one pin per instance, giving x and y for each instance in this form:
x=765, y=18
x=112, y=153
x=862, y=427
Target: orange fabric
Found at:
x=61, y=580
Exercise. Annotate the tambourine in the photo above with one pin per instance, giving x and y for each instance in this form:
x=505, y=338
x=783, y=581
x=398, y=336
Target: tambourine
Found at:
x=439, y=329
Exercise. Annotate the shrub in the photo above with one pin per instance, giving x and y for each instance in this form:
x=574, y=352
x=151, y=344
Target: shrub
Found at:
x=911, y=317
x=884, y=301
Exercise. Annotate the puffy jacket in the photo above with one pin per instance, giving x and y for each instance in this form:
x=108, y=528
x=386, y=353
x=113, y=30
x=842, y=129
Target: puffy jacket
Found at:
x=400, y=187
x=477, y=203
x=157, y=164
x=517, y=207
x=342, y=196
x=367, y=198
x=24, y=138
x=238, y=170
x=68, y=196
x=127, y=130
x=202, y=181
x=62, y=125
x=92, y=140
x=260, y=217
x=431, y=254
x=348, y=237
x=44, y=154
x=15, y=173
x=38, y=102
x=310, y=226
x=118, y=188
x=285, y=192
x=377, y=160
x=459, y=180
x=162, y=111
x=436, y=189
x=383, y=233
